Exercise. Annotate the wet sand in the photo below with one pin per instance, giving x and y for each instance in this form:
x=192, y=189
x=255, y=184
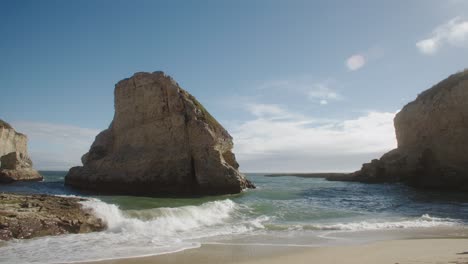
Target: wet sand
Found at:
x=407, y=251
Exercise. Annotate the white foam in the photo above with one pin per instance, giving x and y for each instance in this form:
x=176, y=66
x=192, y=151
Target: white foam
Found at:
x=134, y=233
x=424, y=221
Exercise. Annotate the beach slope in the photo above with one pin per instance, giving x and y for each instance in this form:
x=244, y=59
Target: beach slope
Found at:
x=383, y=252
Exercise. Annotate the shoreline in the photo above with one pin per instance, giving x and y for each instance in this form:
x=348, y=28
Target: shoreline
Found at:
x=324, y=175
x=434, y=250
x=225, y=230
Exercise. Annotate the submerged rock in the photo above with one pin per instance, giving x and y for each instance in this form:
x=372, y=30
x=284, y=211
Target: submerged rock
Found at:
x=432, y=135
x=29, y=216
x=162, y=141
x=15, y=164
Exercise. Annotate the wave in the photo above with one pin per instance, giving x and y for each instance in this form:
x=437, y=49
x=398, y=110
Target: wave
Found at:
x=163, y=221
x=135, y=233
x=421, y=222
x=424, y=221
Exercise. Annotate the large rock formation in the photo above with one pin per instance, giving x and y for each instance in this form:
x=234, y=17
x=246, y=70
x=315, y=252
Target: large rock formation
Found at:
x=432, y=135
x=162, y=141
x=29, y=216
x=15, y=164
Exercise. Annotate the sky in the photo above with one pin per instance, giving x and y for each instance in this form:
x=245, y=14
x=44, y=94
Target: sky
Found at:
x=302, y=86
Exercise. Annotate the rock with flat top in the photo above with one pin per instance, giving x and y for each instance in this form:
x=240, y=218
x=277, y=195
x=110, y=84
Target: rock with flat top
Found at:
x=162, y=141
x=15, y=164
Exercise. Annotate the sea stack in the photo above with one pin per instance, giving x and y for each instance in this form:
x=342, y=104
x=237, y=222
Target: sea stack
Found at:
x=15, y=164
x=432, y=135
x=162, y=141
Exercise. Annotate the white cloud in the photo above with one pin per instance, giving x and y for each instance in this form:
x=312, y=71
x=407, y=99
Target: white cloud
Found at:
x=265, y=110
x=323, y=94
x=355, y=62
x=56, y=146
x=428, y=46
x=306, y=142
x=360, y=59
x=274, y=84
x=454, y=33
x=319, y=92
x=275, y=139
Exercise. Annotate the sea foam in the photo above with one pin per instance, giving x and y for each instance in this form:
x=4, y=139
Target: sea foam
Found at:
x=163, y=221
x=420, y=222
x=135, y=233
x=424, y=221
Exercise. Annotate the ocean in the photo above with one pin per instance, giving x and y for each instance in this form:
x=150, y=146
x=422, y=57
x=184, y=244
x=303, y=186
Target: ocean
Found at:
x=292, y=211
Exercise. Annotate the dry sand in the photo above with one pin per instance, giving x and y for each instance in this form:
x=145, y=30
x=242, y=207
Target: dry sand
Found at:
x=411, y=251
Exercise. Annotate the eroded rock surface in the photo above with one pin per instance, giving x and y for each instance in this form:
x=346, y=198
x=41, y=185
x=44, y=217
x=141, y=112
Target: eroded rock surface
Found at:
x=432, y=135
x=162, y=141
x=29, y=216
x=15, y=164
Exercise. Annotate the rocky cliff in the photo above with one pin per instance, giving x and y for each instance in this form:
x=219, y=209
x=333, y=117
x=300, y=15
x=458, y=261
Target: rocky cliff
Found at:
x=15, y=164
x=162, y=141
x=432, y=135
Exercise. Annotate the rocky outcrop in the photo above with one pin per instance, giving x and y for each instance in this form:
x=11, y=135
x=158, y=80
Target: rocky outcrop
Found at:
x=29, y=216
x=162, y=141
x=432, y=135
x=15, y=164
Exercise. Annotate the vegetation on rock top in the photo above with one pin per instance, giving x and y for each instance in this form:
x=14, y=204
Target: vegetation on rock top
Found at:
x=4, y=124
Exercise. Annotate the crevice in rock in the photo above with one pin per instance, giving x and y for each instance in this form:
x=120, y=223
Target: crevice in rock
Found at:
x=193, y=172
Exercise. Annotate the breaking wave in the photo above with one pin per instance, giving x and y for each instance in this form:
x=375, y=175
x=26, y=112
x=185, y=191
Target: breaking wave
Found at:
x=135, y=233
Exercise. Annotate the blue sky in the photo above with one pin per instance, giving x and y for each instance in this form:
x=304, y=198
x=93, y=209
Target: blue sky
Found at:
x=301, y=85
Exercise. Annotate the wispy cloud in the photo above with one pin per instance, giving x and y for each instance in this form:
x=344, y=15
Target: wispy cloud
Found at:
x=319, y=92
x=274, y=84
x=270, y=112
x=322, y=93
x=56, y=146
x=307, y=139
x=453, y=33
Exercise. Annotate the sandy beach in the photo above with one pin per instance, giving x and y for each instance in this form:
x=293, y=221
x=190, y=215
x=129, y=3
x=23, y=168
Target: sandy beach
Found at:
x=394, y=251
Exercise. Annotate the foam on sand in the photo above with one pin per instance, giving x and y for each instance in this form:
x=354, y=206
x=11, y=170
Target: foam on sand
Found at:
x=134, y=233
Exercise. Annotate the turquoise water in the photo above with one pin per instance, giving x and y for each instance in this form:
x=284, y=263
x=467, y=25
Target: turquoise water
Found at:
x=291, y=210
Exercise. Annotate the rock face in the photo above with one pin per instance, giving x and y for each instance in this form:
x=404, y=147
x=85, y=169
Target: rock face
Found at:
x=432, y=135
x=162, y=141
x=28, y=216
x=15, y=164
